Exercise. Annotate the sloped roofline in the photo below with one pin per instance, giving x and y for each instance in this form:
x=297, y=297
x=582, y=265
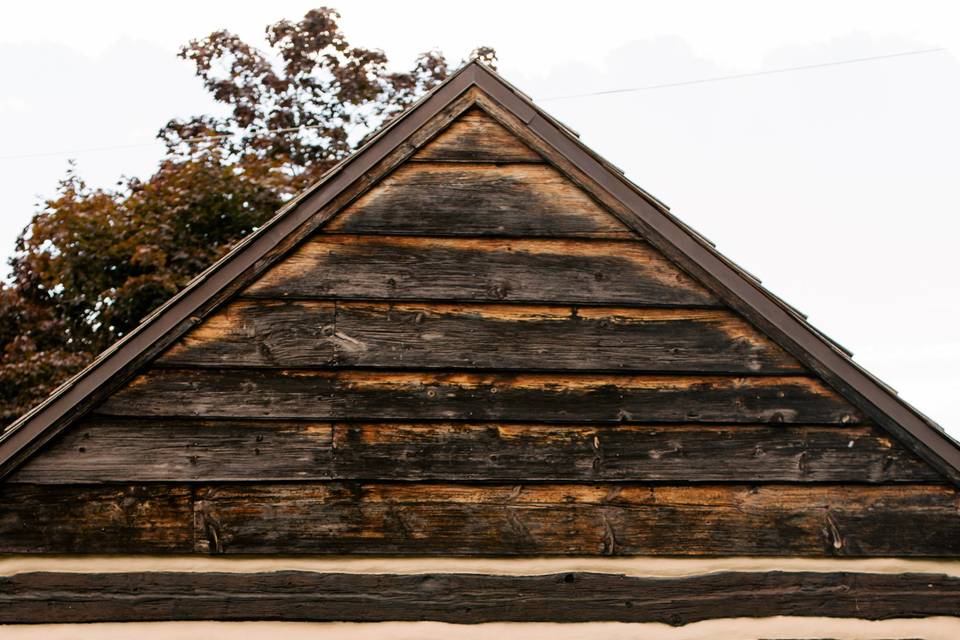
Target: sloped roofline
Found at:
x=647, y=216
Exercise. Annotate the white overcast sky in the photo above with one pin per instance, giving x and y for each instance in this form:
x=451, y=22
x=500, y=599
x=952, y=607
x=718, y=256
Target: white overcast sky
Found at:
x=838, y=187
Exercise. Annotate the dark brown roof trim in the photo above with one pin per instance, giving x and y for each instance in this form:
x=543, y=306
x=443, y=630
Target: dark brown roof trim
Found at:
x=650, y=218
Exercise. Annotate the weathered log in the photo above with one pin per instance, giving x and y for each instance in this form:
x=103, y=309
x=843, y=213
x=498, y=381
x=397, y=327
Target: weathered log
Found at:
x=469, y=598
x=456, y=519
x=99, y=519
x=772, y=520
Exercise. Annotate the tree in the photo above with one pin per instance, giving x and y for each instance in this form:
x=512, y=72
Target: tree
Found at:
x=305, y=111
x=93, y=262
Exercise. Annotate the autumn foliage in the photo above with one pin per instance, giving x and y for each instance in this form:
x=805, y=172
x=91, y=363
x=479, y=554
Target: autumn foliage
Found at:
x=93, y=262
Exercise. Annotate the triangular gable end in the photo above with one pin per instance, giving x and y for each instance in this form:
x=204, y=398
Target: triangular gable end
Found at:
x=405, y=169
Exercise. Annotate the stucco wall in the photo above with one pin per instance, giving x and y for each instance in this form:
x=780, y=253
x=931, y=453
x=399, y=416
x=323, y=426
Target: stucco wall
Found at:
x=726, y=629
x=631, y=566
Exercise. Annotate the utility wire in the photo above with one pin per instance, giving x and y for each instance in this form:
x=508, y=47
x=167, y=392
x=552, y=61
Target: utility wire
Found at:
x=150, y=144
x=668, y=85
x=739, y=76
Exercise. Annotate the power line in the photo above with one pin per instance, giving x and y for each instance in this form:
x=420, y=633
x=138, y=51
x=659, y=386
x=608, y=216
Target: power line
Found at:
x=150, y=144
x=738, y=76
x=668, y=85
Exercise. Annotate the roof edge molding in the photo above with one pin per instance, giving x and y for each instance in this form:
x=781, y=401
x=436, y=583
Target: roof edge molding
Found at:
x=636, y=208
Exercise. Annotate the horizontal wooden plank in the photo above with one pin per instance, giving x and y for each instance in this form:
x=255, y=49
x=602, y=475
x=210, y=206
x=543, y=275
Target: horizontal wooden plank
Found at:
x=101, y=519
x=358, y=334
x=264, y=333
x=477, y=137
x=771, y=520
x=131, y=450
x=469, y=598
x=465, y=269
x=356, y=395
x=117, y=450
x=478, y=199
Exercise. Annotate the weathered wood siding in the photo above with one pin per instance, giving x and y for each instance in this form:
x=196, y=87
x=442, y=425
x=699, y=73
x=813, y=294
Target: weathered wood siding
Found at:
x=476, y=357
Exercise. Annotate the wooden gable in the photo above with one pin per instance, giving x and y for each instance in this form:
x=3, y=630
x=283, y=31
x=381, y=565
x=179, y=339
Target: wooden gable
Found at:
x=473, y=353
